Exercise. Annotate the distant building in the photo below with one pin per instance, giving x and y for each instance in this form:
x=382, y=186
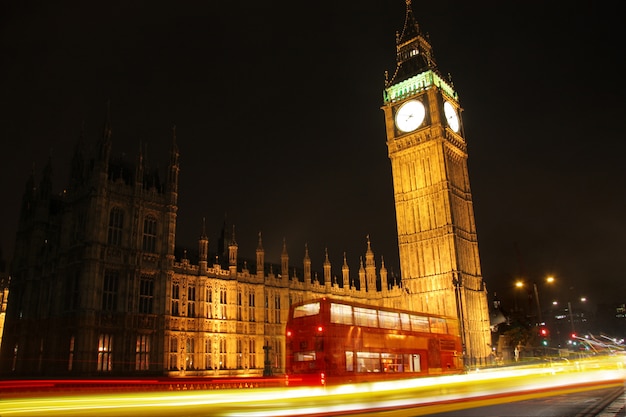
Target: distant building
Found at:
x=97, y=288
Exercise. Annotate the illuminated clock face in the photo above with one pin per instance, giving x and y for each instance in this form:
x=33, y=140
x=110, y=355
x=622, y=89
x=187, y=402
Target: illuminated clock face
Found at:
x=451, y=116
x=410, y=115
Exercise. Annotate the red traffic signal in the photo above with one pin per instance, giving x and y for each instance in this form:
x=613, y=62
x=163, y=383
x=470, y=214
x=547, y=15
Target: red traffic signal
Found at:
x=543, y=331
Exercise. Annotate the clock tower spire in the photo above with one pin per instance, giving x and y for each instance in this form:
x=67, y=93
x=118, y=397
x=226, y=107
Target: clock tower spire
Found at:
x=437, y=237
x=414, y=54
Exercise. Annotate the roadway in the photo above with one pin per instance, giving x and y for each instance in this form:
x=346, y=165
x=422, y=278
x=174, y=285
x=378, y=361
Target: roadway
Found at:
x=608, y=402
x=578, y=385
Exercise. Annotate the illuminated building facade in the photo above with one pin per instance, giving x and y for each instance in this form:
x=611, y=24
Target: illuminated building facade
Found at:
x=96, y=288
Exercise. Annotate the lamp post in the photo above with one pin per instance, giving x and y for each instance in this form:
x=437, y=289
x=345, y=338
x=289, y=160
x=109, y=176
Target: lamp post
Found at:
x=571, y=314
x=549, y=280
x=518, y=284
x=539, y=319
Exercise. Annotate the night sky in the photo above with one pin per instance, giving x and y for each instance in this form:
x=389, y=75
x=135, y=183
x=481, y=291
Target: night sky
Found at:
x=277, y=112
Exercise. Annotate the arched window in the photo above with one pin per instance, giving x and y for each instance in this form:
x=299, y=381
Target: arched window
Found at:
x=142, y=353
x=208, y=350
x=116, y=225
x=191, y=301
x=175, y=299
x=149, y=234
x=110, y=290
x=146, y=294
x=105, y=348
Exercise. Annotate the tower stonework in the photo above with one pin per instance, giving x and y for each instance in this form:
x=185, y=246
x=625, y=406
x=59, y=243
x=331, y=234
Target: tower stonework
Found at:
x=438, y=245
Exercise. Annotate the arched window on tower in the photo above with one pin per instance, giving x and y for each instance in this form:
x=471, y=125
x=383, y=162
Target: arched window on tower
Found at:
x=175, y=299
x=208, y=350
x=116, y=226
x=277, y=308
x=190, y=347
x=251, y=306
x=252, y=354
x=239, y=305
x=223, y=304
x=191, y=301
x=222, y=362
x=173, y=353
x=149, y=234
x=146, y=294
x=239, y=353
x=208, y=311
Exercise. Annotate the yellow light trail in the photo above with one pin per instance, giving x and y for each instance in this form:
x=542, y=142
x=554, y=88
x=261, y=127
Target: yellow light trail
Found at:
x=436, y=394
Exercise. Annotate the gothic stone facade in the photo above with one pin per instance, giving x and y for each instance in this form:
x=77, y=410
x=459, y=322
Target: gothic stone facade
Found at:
x=97, y=289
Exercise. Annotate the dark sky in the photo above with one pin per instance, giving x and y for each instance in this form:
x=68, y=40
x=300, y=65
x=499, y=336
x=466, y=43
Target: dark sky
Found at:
x=277, y=112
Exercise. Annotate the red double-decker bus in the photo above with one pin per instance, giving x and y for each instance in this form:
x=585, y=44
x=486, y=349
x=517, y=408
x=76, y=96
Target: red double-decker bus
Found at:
x=331, y=341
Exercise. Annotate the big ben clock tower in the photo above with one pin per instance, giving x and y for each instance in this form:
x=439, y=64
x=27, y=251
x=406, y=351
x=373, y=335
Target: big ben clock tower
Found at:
x=438, y=245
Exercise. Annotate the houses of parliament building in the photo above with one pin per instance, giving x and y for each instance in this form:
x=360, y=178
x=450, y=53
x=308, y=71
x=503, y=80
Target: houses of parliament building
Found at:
x=97, y=288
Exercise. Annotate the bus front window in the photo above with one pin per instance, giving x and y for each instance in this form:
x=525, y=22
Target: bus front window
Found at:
x=305, y=310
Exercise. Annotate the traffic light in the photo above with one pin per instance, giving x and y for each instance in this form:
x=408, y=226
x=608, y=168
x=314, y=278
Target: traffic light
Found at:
x=544, y=335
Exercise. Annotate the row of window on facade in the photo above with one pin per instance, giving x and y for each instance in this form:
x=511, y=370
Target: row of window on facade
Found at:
x=105, y=353
x=211, y=310
x=116, y=230
x=219, y=310
x=213, y=356
x=110, y=289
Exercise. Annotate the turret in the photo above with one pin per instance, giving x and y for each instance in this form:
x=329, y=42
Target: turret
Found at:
x=362, y=282
x=203, y=250
x=370, y=267
x=384, y=283
x=327, y=273
x=232, y=255
x=173, y=169
x=104, y=146
x=260, y=258
x=307, y=265
x=345, y=272
x=284, y=261
x=139, y=170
